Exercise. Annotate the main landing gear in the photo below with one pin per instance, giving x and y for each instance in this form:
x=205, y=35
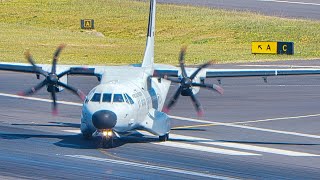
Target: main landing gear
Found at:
x=164, y=137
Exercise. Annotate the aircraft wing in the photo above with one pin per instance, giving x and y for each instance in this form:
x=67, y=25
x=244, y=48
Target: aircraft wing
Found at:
x=173, y=71
x=65, y=69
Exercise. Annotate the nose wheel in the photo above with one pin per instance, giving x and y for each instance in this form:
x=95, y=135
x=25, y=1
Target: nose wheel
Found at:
x=164, y=137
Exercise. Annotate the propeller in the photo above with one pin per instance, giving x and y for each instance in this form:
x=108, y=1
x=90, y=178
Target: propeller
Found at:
x=187, y=83
x=51, y=80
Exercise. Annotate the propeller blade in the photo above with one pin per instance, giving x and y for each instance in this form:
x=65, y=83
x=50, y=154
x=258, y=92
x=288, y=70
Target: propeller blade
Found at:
x=173, y=100
x=33, y=89
x=32, y=62
x=199, y=69
x=181, y=62
x=197, y=105
x=54, y=99
x=55, y=58
x=77, y=92
x=214, y=87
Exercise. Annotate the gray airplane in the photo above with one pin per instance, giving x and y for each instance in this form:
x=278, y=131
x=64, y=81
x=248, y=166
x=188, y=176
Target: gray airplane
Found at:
x=133, y=97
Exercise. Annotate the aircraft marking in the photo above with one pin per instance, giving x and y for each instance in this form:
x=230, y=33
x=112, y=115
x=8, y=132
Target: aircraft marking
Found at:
x=152, y=167
x=194, y=120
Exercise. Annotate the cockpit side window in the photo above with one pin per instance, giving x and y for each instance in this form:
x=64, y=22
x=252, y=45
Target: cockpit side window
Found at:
x=118, y=98
x=106, y=97
x=96, y=97
x=129, y=99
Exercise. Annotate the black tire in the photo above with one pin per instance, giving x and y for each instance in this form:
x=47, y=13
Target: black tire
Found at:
x=164, y=138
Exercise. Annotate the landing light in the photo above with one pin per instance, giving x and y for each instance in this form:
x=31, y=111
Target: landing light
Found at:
x=107, y=133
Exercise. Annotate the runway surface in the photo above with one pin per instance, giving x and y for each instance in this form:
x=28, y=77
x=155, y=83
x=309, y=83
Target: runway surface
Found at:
x=254, y=131
x=307, y=9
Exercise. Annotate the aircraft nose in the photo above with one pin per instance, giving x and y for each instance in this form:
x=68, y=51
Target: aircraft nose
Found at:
x=104, y=119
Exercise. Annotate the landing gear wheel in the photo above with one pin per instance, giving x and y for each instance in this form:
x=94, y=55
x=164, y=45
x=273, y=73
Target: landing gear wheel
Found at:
x=107, y=142
x=164, y=137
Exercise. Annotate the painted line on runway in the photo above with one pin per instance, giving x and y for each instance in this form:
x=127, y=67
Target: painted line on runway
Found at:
x=39, y=99
x=187, y=119
x=191, y=146
x=152, y=167
x=291, y=2
x=274, y=65
x=276, y=119
x=194, y=126
x=204, y=148
x=242, y=146
x=246, y=127
x=235, y=145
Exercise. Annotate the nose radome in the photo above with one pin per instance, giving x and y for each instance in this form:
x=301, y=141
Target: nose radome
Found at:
x=104, y=119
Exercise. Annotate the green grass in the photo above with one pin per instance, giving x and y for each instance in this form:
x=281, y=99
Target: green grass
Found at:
x=210, y=34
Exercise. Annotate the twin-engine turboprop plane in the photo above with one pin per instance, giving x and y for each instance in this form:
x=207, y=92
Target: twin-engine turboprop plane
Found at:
x=120, y=104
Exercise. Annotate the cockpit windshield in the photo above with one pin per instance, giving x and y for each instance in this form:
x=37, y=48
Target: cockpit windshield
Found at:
x=106, y=97
x=96, y=97
x=118, y=98
x=109, y=97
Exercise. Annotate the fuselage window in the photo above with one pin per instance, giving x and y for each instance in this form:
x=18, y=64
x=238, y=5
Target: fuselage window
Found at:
x=106, y=97
x=118, y=98
x=96, y=97
x=129, y=98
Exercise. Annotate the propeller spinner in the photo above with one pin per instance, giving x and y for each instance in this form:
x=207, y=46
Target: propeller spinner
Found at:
x=186, y=85
x=51, y=80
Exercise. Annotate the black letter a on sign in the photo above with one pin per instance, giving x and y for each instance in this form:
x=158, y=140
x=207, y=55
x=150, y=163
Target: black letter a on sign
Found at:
x=269, y=48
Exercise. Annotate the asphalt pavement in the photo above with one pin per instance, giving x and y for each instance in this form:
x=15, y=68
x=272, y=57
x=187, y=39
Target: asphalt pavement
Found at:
x=254, y=131
x=306, y=9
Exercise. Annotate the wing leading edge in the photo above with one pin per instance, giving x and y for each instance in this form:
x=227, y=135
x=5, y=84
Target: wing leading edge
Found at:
x=65, y=69
x=224, y=73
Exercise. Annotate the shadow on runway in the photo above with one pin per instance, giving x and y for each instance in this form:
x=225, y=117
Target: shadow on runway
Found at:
x=52, y=124
x=78, y=142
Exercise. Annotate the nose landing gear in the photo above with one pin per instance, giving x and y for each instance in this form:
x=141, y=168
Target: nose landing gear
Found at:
x=107, y=138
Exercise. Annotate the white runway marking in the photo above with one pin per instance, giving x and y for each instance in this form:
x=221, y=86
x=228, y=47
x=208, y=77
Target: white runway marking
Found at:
x=212, y=142
x=242, y=146
x=191, y=146
x=276, y=119
x=292, y=2
x=247, y=127
x=39, y=99
x=279, y=66
x=205, y=149
x=197, y=120
x=153, y=167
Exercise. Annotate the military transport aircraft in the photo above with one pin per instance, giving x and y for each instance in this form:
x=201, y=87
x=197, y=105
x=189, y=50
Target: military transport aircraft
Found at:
x=120, y=104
